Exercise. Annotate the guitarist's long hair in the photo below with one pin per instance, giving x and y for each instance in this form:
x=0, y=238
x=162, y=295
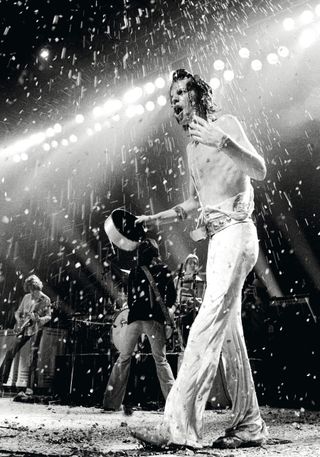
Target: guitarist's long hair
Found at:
x=32, y=283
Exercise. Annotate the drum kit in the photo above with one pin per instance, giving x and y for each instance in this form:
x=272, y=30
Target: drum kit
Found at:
x=126, y=234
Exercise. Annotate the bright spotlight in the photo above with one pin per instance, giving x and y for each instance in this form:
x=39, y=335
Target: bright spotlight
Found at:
x=160, y=83
x=272, y=58
x=89, y=131
x=16, y=158
x=256, y=65
x=306, y=17
x=64, y=142
x=57, y=128
x=228, y=75
x=139, y=109
x=307, y=38
x=149, y=88
x=111, y=106
x=132, y=95
x=130, y=111
x=116, y=117
x=73, y=138
x=24, y=156
x=50, y=132
x=161, y=100
x=97, y=127
x=218, y=65
x=215, y=83
x=150, y=106
x=46, y=147
x=97, y=111
x=79, y=118
x=317, y=10
x=244, y=53
x=44, y=53
x=288, y=24
x=283, y=51
x=54, y=144
x=37, y=138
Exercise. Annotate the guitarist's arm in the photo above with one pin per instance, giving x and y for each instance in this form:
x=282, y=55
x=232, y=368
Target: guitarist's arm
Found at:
x=43, y=315
x=20, y=312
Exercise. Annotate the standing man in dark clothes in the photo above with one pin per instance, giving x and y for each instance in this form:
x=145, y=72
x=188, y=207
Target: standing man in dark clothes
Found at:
x=145, y=316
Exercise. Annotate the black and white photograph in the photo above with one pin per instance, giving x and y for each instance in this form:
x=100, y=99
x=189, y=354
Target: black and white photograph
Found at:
x=159, y=228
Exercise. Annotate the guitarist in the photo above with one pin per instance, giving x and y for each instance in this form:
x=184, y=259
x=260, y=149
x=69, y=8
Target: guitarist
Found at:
x=145, y=317
x=32, y=314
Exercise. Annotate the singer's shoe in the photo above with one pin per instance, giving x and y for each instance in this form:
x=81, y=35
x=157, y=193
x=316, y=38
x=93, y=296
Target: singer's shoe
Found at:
x=234, y=442
x=156, y=438
x=150, y=437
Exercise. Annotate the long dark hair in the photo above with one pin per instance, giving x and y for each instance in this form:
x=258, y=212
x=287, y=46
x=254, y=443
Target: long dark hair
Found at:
x=203, y=90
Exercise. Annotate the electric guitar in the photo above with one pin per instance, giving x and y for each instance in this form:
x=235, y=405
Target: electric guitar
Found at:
x=23, y=323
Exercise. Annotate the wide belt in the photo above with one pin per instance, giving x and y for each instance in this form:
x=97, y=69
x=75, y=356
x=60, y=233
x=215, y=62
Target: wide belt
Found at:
x=219, y=223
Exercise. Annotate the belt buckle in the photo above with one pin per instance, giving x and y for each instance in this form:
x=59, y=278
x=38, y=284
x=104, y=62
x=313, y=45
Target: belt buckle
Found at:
x=215, y=225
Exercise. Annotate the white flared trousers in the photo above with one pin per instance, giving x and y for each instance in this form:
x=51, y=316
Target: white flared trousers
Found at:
x=232, y=253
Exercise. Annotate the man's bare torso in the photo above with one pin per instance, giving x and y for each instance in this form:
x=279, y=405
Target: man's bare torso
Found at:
x=214, y=174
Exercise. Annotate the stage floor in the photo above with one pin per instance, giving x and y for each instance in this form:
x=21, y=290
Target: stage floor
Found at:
x=37, y=429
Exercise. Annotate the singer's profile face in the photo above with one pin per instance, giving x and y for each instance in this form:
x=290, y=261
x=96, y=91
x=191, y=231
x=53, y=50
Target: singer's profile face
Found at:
x=183, y=101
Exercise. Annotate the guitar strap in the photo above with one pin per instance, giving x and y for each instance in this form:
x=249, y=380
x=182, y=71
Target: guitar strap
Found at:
x=155, y=289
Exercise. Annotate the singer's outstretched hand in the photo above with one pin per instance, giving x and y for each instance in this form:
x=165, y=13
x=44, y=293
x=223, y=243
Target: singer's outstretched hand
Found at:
x=144, y=218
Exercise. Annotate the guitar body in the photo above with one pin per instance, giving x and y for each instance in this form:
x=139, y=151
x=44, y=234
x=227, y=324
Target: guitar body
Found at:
x=22, y=324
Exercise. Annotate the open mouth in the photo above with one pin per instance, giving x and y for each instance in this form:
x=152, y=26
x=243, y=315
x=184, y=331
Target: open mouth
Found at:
x=178, y=110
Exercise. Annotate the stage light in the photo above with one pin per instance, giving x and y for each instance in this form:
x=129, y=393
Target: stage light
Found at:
x=256, y=65
x=54, y=144
x=24, y=156
x=160, y=83
x=44, y=53
x=16, y=158
x=288, y=24
x=89, y=131
x=149, y=88
x=307, y=38
x=50, y=132
x=79, y=118
x=111, y=106
x=97, y=111
x=317, y=10
x=130, y=111
x=228, y=75
x=244, y=53
x=37, y=138
x=218, y=65
x=139, y=109
x=73, y=138
x=132, y=95
x=283, y=51
x=116, y=117
x=64, y=142
x=161, y=100
x=150, y=106
x=306, y=17
x=97, y=127
x=215, y=83
x=57, y=128
x=272, y=58
x=46, y=147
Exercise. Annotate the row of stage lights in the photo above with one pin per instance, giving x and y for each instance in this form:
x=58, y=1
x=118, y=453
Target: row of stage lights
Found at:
x=102, y=116
x=110, y=112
